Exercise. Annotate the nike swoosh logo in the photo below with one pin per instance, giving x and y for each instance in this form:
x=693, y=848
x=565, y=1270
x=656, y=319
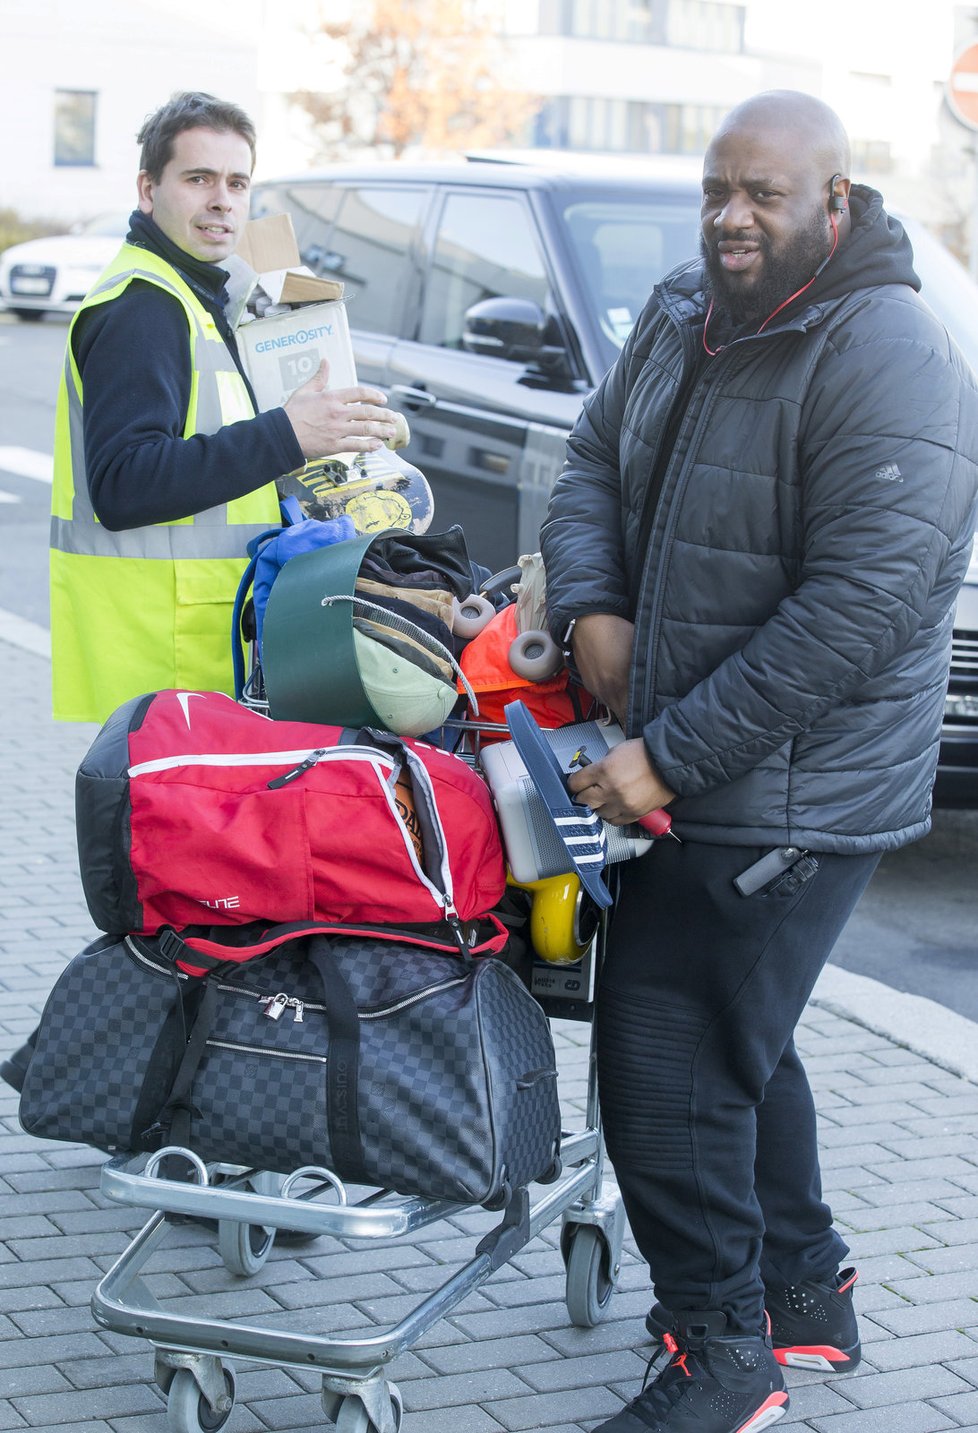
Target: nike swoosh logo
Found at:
x=184, y=699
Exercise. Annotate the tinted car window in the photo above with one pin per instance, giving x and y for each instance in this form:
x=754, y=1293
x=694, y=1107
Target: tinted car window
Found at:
x=313, y=208
x=361, y=235
x=623, y=248
x=486, y=248
x=368, y=251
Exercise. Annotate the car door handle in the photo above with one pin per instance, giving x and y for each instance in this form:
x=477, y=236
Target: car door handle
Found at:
x=412, y=397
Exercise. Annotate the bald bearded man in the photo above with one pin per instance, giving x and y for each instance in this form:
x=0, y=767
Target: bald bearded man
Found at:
x=753, y=554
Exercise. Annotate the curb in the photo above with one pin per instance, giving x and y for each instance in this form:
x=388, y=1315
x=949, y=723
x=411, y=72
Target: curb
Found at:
x=911, y=1021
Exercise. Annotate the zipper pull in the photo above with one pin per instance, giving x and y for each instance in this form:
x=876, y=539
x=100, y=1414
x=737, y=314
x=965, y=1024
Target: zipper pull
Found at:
x=296, y=771
x=275, y=1005
x=453, y=919
x=298, y=1009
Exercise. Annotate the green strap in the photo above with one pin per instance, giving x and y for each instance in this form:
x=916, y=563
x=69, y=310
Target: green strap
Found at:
x=309, y=659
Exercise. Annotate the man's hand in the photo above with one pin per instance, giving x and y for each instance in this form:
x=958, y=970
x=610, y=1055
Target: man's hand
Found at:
x=344, y=420
x=602, y=646
x=622, y=786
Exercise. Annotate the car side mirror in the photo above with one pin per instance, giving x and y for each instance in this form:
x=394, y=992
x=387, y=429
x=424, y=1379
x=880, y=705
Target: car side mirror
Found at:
x=515, y=329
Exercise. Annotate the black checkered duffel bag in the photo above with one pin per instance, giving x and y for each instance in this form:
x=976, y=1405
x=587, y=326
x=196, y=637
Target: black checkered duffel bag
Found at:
x=395, y=1067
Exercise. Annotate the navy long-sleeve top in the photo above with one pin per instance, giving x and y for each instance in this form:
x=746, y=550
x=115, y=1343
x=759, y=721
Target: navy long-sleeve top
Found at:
x=134, y=358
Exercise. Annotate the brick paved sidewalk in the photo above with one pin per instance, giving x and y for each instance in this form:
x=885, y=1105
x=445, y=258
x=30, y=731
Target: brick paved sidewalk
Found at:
x=901, y=1169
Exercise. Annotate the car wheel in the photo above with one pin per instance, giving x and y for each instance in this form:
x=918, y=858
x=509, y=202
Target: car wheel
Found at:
x=28, y=315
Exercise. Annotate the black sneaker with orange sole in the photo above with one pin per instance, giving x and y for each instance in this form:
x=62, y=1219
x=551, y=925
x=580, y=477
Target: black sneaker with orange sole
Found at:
x=715, y=1382
x=813, y=1325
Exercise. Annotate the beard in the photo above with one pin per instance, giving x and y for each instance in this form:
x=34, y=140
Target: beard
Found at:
x=782, y=274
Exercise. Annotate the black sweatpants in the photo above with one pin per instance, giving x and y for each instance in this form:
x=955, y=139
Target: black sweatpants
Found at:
x=708, y=1114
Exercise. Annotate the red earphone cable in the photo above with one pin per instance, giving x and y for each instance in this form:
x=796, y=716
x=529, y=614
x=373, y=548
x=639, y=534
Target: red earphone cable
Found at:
x=797, y=294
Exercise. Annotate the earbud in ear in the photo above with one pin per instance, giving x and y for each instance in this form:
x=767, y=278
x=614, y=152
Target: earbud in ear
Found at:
x=837, y=202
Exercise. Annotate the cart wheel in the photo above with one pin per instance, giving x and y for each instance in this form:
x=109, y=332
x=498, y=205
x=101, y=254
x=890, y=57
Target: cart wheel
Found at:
x=187, y=1410
x=352, y=1416
x=332, y=1403
x=243, y=1247
x=589, y=1288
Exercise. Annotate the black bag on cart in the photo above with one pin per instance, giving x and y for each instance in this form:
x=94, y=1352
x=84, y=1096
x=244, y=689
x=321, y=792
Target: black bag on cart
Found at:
x=396, y=1067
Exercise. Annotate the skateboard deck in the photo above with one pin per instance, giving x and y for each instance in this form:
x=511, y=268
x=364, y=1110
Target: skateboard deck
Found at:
x=377, y=490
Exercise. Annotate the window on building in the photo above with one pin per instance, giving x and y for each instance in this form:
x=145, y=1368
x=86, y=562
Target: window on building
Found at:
x=619, y=126
x=641, y=21
x=687, y=128
x=705, y=25
x=872, y=156
x=688, y=24
x=74, y=126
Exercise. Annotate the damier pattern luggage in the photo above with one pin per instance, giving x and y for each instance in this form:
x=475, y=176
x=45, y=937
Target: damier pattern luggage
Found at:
x=421, y=1072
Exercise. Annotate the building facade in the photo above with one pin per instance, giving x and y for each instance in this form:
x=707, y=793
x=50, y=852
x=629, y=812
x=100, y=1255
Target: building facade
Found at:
x=79, y=79
x=612, y=76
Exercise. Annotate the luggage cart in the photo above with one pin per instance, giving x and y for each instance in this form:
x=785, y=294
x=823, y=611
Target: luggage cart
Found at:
x=192, y=1355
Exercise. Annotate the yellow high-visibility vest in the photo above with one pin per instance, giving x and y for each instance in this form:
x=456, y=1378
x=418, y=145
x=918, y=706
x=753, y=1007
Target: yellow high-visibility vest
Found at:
x=149, y=608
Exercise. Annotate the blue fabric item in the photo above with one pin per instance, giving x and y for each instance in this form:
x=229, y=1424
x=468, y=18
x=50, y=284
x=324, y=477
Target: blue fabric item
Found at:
x=291, y=511
x=275, y=551
x=267, y=554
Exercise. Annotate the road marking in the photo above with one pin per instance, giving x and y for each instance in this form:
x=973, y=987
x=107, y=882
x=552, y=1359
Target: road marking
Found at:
x=29, y=636
x=9, y=497
x=27, y=463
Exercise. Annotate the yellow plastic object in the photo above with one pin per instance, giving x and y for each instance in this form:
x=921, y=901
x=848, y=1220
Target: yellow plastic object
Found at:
x=562, y=918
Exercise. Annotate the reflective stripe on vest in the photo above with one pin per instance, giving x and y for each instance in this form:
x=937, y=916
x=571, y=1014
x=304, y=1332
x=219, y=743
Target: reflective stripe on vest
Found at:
x=218, y=396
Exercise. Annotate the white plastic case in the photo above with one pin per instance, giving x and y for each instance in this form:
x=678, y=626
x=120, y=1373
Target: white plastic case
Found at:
x=533, y=848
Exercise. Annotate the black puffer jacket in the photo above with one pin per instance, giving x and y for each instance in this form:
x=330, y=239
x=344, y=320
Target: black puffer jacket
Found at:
x=793, y=597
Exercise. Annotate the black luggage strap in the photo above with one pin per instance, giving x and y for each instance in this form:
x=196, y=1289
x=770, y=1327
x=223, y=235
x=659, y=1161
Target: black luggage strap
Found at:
x=175, y=1121
x=176, y=1117
x=512, y=1233
x=172, y=948
x=343, y=1064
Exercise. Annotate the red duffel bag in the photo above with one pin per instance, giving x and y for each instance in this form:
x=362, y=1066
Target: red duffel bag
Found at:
x=192, y=809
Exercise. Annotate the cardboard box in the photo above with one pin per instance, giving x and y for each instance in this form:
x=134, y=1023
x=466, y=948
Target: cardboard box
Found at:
x=268, y=246
x=284, y=349
x=282, y=352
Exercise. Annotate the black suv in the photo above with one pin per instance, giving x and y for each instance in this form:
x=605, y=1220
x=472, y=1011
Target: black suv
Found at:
x=487, y=298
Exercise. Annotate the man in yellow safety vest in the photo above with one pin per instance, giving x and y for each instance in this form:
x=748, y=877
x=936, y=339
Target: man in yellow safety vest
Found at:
x=163, y=468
